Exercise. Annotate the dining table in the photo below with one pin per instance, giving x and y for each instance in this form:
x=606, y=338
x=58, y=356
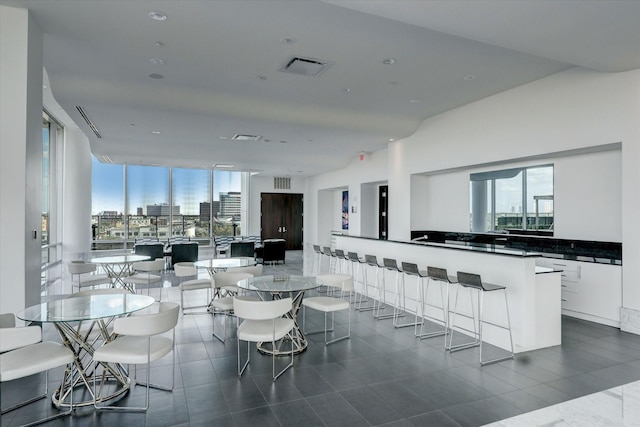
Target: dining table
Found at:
x=119, y=266
x=83, y=325
x=276, y=287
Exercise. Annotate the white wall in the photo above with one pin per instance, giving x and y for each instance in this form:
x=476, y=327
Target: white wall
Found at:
x=587, y=189
x=20, y=159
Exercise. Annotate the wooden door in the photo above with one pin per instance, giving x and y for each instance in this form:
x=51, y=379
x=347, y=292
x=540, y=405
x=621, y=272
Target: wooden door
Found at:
x=383, y=217
x=282, y=218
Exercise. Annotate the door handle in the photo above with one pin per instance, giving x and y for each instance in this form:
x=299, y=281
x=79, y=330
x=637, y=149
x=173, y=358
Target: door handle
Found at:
x=284, y=229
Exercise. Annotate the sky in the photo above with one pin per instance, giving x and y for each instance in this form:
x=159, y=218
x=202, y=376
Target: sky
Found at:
x=149, y=185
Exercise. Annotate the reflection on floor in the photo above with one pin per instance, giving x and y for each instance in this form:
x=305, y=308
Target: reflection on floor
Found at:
x=618, y=406
x=380, y=376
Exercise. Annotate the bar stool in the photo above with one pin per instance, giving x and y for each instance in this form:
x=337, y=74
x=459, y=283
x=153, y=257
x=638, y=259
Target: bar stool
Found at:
x=370, y=261
x=440, y=276
x=326, y=250
x=392, y=266
x=341, y=258
x=317, y=260
x=473, y=282
x=354, y=263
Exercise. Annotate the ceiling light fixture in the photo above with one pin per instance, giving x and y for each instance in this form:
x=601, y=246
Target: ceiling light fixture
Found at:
x=159, y=44
x=155, y=132
x=414, y=101
x=346, y=90
x=158, y=16
x=388, y=61
x=470, y=77
x=157, y=61
x=288, y=40
x=155, y=76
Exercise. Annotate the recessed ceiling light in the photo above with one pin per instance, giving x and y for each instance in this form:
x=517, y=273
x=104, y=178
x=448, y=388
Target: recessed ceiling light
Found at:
x=391, y=139
x=44, y=86
x=262, y=77
x=158, y=16
x=346, y=89
x=157, y=61
x=222, y=137
x=132, y=124
x=155, y=132
x=470, y=77
x=155, y=76
x=414, y=101
x=388, y=61
x=159, y=44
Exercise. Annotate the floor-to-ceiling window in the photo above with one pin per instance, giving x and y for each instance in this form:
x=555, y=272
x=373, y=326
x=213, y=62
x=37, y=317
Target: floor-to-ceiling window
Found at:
x=131, y=203
x=50, y=228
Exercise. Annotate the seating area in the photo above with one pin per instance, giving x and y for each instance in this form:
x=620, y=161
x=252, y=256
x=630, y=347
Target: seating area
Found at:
x=375, y=374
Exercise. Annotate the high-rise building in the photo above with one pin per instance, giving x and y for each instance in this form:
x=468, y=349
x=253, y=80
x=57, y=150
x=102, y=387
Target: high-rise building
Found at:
x=230, y=204
x=162, y=209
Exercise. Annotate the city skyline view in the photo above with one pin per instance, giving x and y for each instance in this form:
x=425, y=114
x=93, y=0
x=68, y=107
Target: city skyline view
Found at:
x=149, y=185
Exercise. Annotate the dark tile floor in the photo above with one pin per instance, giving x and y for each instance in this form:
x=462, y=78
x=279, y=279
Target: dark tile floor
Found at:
x=380, y=376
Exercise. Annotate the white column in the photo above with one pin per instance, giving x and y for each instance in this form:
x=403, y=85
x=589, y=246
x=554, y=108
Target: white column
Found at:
x=20, y=159
x=76, y=223
x=479, y=208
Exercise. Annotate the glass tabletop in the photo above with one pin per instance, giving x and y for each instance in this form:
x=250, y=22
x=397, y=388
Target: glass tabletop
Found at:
x=89, y=307
x=279, y=283
x=120, y=259
x=224, y=262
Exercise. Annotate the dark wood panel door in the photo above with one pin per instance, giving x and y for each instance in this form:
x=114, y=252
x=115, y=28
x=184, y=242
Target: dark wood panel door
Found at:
x=282, y=218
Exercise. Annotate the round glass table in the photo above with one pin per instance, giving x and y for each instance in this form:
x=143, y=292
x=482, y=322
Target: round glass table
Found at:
x=276, y=287
x=119, y=266
x=68, y=316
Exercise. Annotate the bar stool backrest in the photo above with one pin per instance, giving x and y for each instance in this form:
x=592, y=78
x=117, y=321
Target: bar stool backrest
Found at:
x=436, y=273
x=371, y=260
x=470, y=280
x=327, y=250
x=390, y=264
x=410, y=268
x=339, y=253
x=316, y=249
x=353, y=256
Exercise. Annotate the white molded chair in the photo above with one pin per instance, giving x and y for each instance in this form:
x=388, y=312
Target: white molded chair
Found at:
x=23, y=353
x=327, y=304
x=140, y=342
x=188, y=269
x=263, y=321
x=253, y=270
x=144, y=274
x=228, y=281
x=84, y=274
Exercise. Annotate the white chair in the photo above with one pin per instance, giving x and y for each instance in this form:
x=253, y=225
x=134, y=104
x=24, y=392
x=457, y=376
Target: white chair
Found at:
x=144, y=274
x=139, y=342
x=231, y=288
x=227, y=281
x=84, y=274
x=327, y=304
x=263, y=321
x=187, y=269
x=24, y=354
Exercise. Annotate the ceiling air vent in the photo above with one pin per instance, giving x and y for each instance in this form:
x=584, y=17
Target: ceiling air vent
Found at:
x=89, y=122
x=238, y=137
x=281, y=183
x=305, y=66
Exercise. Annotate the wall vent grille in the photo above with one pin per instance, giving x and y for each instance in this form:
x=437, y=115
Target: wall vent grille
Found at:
x=281, y=183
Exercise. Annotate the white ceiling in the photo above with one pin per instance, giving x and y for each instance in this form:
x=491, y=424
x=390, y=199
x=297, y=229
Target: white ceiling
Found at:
x=222, y=60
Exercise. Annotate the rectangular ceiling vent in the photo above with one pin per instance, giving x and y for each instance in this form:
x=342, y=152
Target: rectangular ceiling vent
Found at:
x=88, y=121
x=281, y=183
x=238, y=137
x=305, y=66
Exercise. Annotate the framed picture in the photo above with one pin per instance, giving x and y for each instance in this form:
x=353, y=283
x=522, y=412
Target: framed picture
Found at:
x=345, y=210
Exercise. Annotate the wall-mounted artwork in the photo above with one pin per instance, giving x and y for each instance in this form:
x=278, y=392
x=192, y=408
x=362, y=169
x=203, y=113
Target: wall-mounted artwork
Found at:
x=345, y=210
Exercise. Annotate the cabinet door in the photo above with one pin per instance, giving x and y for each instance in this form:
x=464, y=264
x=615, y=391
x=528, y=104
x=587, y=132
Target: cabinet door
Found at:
x=600, y=290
